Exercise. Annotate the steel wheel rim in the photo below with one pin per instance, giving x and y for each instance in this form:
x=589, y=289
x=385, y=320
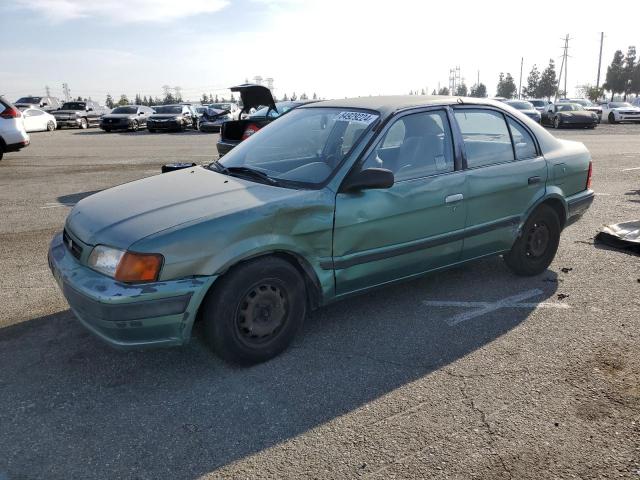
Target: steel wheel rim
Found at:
x=134, y=126
x=262, y=313
x=538, y=239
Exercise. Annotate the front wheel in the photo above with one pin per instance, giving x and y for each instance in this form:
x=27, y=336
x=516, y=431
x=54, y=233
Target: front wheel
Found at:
x=255, y=310
x=134, y=126
x=50, y=126
x=556, y=122
x=84, y=124
x=612, y=118
x=536, y=247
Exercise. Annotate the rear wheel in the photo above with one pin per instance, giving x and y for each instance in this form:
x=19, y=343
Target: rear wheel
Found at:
x=134, y=126
x=84, y=124
x=255, y=310
x=612, y=118
x=556, y=122
x=51, y=126
x=536, y=247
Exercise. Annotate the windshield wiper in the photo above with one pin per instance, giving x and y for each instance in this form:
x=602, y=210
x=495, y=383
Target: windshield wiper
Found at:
x=246, y=172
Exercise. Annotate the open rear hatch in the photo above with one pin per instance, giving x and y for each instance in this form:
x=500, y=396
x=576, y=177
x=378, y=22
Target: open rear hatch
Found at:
x=252, y=96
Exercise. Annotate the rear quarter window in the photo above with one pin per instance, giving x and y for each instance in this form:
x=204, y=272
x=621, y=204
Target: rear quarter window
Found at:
x=486, y=137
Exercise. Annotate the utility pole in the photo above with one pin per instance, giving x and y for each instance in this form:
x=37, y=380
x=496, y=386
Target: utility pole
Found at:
x=47, y=90
x=66, y=92
x=520, y=84
x=599, y=61
x=563, y=67
x=478, y=82
x=178, y=91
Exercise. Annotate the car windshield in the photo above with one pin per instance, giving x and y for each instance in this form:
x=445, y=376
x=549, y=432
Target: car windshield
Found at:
x=620, y=105
x=537, y=103
x=582, y=101
x=569, y=107
x=521, y=105
x=74, y=106
x=221, y=106
x=303, y=147
x=281, y=107
x=128, y=110
x=169, y=109
x=29, y=100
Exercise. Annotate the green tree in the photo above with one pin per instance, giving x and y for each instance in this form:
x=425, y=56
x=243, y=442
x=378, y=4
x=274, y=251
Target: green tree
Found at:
x=630, y=65
x=109, y=101
x=315, y=97
x=168, y=99
x=462, y=90
x=123, y=100
x=422, y=92
x=533, y=81
x=285, y=98
x=204, y=98
x=443, y=91
x=304, y=96
x=294, y=97
x=634, y=86
x=479, y=90
x=548, y=81
x=506, y=86
x=590, y=91
x=615, y=81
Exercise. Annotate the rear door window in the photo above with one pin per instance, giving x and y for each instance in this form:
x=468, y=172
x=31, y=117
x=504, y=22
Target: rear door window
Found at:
x=486, y=137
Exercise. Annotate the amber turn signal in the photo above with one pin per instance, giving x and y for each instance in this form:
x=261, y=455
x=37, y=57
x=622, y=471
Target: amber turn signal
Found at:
x=138, y=267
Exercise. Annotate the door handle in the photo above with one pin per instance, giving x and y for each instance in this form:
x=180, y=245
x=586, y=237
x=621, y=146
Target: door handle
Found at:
x=453, y=198
x=533, y=180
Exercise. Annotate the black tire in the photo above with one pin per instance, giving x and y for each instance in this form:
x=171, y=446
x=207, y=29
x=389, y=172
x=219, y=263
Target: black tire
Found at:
x=108, y=130
x=50, y=126
x=536, y=247
x=612, y=118
x=196, y=124
x=134, y=126
x=84, y=124
x=254, y=311
x=556, y=122
x=152, y=130
x=1, y=153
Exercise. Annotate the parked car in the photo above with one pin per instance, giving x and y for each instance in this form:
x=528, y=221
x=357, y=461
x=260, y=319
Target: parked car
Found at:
x=234, y=110
x=171, y=117
x=253, y=97
x=525, y=107
x=616, y=112
x=36, y=120
x=13, y=136
x=586, y=104
x=539, y=104
x=213, y=118
x=332, y=199
x=82, y=114
x=48, y=104
x=569, y=115
x=127, y=117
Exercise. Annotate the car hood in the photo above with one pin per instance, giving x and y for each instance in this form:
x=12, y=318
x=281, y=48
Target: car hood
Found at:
x=626, y=109
x=530, y=112
x=576, y=114
x=123, y=215
x=119, y=115
x=254, y=96
x=159, y=116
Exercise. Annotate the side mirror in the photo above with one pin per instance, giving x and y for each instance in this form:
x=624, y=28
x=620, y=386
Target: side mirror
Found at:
x=140, y=113
x=369, y=178
x=89, y=109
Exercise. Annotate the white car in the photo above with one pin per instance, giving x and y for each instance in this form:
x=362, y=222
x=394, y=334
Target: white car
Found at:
x=13, y=136
x=615, y=112
x=36, y=120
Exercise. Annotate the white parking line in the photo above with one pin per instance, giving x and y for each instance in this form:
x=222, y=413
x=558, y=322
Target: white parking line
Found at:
x=630, y=169
x=482, y=308
x=57, y=205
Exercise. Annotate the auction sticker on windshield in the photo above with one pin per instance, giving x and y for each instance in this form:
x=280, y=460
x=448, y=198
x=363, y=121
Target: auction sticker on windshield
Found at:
x=360, y=117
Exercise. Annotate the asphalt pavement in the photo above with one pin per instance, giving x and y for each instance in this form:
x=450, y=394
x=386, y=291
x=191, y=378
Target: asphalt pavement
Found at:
x=539, y=380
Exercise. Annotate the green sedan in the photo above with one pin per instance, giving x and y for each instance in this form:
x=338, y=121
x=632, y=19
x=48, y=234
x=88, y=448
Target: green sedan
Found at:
x=331, y=200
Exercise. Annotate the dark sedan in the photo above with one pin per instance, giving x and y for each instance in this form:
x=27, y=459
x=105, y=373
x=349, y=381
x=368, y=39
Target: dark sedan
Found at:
x=253, y=96
x=128, y=117
x=525, y=107
x=172, y=117
x=569, y=115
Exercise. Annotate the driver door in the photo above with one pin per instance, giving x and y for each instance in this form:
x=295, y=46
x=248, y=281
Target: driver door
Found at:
x=412, y=227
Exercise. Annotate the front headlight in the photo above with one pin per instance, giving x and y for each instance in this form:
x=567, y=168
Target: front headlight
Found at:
x=126, y=266
x=105, y=259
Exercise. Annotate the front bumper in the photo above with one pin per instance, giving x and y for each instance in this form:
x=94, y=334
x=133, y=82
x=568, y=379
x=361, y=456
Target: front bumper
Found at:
x=170, y=125
x=128, y=315
x=68, y=122
x=115, y=126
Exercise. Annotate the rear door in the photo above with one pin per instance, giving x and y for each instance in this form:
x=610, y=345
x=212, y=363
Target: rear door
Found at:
x=412, y=227
x=506, y=175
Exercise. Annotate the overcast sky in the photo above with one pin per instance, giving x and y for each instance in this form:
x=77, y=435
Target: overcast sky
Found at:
x=336, y=48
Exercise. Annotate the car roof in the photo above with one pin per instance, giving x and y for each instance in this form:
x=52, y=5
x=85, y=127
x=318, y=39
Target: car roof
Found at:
x=387, y=105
